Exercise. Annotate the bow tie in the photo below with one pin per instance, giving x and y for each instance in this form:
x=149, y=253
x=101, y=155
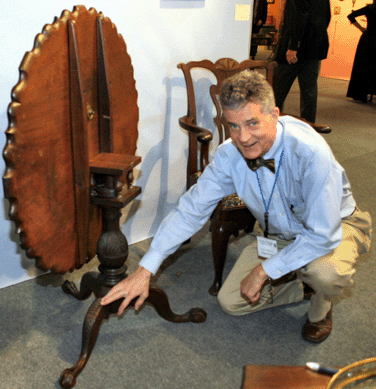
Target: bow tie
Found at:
x=254, y=164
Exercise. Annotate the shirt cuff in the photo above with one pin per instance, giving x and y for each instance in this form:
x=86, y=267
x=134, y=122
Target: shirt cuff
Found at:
x=275, y=268
x=151, y=261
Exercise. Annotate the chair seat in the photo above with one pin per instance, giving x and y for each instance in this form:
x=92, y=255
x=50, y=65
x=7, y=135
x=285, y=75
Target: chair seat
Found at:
x=232, y=201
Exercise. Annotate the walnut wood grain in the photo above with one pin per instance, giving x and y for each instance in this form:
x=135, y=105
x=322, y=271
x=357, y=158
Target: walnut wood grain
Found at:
x=41, y=179
x=80, y=158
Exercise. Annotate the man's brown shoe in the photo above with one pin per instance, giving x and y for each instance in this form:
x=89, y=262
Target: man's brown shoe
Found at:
x=318, y=332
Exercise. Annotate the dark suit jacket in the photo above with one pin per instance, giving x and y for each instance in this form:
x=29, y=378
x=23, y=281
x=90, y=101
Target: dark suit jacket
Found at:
x=304, y=29
x=260, y=12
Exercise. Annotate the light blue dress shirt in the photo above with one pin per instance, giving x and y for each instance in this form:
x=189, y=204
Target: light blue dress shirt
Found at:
x=311, y=196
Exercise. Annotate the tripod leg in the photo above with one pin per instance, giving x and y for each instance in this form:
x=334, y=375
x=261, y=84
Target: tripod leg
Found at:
x=89, y=284
x=93, y=320
x=159, y=300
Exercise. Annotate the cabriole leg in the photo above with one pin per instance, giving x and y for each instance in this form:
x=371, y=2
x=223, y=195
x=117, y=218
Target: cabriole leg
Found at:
x=93, y=320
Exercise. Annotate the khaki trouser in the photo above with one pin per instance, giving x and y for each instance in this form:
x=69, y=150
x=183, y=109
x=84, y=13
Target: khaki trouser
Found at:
x=328, y=276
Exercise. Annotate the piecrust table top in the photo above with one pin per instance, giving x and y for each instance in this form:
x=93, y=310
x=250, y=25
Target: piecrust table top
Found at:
x=39, y=176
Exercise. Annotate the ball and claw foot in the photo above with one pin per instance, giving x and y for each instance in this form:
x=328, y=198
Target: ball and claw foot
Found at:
x=67, y=379
x=197, y=315
x=70, y=288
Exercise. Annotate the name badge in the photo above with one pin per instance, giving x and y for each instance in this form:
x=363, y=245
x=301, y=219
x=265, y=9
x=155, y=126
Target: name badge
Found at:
x=266, y=247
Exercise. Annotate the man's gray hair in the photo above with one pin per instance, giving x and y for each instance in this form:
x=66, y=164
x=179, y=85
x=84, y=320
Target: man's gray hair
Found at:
x=245, y=87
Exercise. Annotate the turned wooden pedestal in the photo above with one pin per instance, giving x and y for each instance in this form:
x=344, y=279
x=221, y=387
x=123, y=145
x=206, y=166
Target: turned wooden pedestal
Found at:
x=112, y=252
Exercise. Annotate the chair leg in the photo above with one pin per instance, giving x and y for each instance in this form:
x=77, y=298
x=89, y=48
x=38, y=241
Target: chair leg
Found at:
x=221, y=232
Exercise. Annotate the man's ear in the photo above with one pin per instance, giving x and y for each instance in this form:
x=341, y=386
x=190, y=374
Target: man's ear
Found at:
x=275, y=113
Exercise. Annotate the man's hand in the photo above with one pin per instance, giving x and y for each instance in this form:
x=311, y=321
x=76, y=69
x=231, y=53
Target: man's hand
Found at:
x=291, y=56
x=250, y=286
x=137, y=284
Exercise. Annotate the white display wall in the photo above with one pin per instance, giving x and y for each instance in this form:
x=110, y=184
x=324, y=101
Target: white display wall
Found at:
x=159, y=34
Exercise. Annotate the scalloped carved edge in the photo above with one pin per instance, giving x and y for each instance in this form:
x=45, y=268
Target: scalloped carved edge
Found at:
x=9, y=155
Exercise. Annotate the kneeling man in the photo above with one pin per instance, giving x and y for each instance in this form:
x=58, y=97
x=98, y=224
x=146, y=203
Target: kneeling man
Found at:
x=287, y=176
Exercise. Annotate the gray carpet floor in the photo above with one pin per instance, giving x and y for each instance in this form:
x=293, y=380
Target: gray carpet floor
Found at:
x=40, y=326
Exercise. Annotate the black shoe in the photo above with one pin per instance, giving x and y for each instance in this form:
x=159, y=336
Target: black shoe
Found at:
x=322, y=129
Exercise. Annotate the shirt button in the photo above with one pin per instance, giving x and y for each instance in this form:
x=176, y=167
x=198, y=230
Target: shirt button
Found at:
x=281, y=214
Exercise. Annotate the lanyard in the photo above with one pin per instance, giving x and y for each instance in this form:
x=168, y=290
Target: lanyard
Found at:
x=266, y=214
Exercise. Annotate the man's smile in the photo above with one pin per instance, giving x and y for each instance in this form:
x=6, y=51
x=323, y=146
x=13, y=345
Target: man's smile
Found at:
x=249, y=146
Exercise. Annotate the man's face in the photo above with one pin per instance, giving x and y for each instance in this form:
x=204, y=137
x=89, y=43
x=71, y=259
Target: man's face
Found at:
x=253, y=131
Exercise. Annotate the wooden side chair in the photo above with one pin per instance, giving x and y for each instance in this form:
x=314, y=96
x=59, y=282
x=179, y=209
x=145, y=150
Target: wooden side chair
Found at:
x=231, y=215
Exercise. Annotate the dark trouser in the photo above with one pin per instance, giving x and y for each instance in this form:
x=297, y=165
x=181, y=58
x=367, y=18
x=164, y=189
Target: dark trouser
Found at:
x=307, y=73
x=253, y=51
